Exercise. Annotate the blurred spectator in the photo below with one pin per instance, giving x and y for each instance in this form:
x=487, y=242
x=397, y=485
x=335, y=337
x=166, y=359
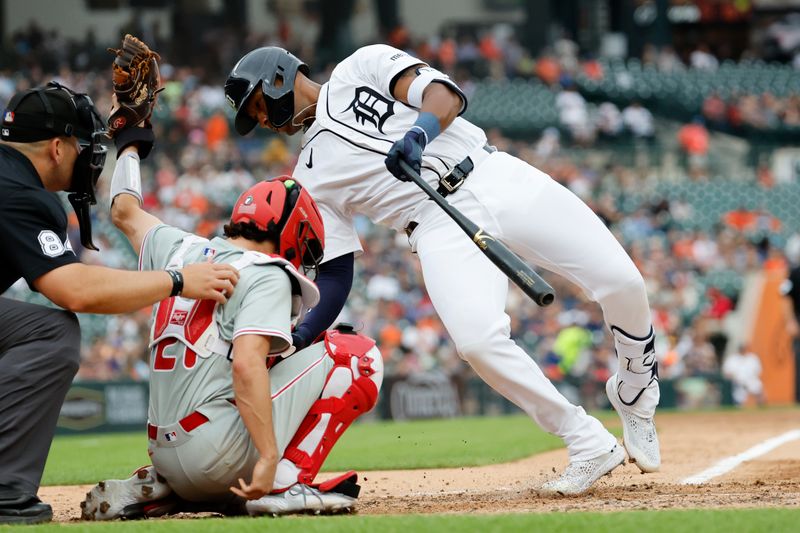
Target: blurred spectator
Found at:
x=549, y=143
x=668, y=60
x=719, y=304
x=566, y=52
x=714, y=110
x=548, y=70
x=743, y=368
x=639, y=120
x=573, y=114
x=701, y=58
x=609, y=120
x=592, y=69
x=693, y=139
x=698, y=354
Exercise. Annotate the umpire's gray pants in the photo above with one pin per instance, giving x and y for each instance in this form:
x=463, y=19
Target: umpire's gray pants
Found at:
x=39, y=356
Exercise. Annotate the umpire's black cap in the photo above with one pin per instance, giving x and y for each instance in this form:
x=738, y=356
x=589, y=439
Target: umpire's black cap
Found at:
x=46, y=112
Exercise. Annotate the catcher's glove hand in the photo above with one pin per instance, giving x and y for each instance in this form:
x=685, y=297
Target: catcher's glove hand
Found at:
x=136, y=84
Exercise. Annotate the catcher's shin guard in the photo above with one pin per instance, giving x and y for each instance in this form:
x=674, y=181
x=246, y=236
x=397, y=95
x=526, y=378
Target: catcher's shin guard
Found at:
x=350, y=390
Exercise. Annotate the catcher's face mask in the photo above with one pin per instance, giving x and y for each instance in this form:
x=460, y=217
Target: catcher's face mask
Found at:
x=54, y=110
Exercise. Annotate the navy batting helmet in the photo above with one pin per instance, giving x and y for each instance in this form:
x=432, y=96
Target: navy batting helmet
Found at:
x=273, y=70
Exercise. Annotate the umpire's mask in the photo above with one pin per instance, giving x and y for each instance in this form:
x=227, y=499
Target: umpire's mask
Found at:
x=54, y=110
x=262, y=69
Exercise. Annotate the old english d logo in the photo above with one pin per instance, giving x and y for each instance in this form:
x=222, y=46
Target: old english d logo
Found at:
x=370, y=106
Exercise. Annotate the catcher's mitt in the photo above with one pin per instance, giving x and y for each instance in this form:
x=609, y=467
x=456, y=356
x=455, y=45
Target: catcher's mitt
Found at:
x=136, y=83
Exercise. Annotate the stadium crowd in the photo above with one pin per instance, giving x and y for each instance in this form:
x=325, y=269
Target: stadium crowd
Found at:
x=200, y=167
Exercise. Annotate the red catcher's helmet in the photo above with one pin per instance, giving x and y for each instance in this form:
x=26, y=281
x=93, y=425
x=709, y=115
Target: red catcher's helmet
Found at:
x=282, y=207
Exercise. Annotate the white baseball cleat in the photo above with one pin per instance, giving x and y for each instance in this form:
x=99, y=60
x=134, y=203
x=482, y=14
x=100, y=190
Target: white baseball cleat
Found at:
x=580, y=475
x=300, y=499
x=638, y=434
x=124, y=498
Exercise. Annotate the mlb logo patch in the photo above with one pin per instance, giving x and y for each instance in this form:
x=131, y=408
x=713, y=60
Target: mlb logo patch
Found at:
x=209, y=252
x=8, y=116
x=178, y=318
x=171, y=436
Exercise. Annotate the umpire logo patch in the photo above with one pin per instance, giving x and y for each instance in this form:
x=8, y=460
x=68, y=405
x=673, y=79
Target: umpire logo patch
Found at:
x=370, y=106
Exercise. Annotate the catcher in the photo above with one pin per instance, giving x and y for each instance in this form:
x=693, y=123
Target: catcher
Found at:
x=217, y=437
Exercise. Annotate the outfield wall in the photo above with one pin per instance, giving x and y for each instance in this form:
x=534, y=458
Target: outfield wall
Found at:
x=117, y=406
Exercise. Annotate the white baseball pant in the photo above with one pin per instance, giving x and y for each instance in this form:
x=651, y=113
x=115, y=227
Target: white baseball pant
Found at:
x=550, y=227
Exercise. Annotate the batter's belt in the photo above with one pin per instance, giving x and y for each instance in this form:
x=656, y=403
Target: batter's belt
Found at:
x=453, y=180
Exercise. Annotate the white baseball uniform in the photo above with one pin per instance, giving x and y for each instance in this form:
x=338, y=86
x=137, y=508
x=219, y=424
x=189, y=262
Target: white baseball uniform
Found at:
x=342, y=166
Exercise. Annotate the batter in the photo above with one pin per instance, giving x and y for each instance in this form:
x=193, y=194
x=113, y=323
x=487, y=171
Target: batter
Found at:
x=382, y=105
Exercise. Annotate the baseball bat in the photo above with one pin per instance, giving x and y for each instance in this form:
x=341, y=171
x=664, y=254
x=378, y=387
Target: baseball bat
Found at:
x=507, y=261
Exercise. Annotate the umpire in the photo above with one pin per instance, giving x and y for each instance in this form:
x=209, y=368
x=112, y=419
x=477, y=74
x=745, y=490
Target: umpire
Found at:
x=50, y=141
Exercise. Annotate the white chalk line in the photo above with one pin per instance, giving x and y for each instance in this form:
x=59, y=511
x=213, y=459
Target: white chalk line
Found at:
x=729, y=463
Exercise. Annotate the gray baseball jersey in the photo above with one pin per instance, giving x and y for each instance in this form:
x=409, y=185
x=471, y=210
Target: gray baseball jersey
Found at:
x=182, y=380
x=202, y=463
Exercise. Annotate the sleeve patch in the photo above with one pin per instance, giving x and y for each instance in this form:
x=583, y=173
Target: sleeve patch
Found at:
x=51, y=244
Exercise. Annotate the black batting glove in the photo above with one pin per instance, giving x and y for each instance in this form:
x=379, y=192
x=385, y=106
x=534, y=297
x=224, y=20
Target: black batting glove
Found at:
x=408, y=149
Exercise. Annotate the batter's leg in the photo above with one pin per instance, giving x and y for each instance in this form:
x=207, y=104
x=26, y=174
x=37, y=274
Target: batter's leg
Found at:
x=553, y=228
x=469, y=294
x=39, y=356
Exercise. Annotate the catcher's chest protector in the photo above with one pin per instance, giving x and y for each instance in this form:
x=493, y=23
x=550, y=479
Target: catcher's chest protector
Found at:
x=350, y=391
x=193, y=322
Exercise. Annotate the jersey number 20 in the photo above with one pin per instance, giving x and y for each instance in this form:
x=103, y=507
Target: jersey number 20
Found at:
x=165, y=362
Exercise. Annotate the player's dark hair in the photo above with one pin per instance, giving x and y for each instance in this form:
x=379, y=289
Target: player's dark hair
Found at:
x=249, y=231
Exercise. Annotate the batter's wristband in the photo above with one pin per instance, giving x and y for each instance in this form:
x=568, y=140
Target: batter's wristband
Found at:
x=177, y=282
x=429, y=124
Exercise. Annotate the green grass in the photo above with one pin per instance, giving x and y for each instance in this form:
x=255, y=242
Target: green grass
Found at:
x=88, y=458
x=368, y=446
x=738, y=520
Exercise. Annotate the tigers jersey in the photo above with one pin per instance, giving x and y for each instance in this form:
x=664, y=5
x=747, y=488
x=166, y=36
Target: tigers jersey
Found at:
x=182, y=380
x=343, y=152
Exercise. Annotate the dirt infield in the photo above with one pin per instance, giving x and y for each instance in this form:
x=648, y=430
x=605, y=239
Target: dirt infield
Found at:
x=690, y=443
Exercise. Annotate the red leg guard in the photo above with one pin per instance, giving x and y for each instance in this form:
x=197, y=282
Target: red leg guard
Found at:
x=350, y=390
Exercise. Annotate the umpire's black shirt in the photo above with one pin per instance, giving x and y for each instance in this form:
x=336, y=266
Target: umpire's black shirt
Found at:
x=33, y=223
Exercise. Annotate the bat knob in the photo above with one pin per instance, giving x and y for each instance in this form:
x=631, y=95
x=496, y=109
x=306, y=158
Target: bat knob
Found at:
x=546, y=299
